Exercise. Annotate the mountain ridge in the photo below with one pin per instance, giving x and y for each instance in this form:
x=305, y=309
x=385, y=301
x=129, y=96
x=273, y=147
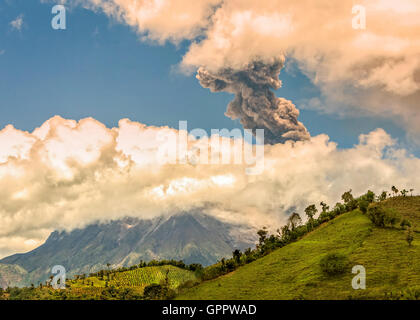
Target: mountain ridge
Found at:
x=191, y=237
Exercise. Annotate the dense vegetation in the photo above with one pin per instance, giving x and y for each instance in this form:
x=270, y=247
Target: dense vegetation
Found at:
x=378, y=232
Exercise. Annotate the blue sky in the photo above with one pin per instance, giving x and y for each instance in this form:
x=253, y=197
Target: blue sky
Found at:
x=99, y=68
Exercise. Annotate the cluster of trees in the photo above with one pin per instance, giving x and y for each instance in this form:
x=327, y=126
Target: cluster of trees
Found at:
x=403, y=192
x=387, y=217
x=384, y=217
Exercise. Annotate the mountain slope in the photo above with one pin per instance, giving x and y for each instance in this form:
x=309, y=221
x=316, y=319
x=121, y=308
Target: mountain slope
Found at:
x=193, y=238
x=294, y=272
x=11, y=274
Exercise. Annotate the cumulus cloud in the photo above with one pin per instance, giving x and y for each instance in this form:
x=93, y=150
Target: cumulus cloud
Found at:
x=17, y=24
x=67, y=174
x=158, y=20
x=375, y=71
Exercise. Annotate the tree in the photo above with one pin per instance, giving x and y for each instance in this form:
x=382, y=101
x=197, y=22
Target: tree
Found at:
x=347, y=196
x=237, y=256
x=382, y=217
x=370, y=196
x=382, y=196
x=405, y=223
x=349, y=200
x=311, y=211
x=391, y=217
x=410, y=237
x=294, y=220
x=404, y=192
x=249, y=255
x=363, y=205
x=394, y=190
x=411, y=191
x=285, y=233
x=262, y=233
x=324, y=206
x=153, y=292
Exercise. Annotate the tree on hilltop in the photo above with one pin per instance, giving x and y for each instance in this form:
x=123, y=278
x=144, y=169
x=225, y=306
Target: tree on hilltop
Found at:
x=382, y=196
x=294, y=220
x=311, y=211
x=394, y=190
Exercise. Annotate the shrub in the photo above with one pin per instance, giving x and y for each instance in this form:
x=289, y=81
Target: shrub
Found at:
x=363, y=205
x=213, y=271
x=405, y=223
x=382, y=217
x=391, y=217
x=154, y=292
x=188, y=284
x=333, y=263
x=410, y=237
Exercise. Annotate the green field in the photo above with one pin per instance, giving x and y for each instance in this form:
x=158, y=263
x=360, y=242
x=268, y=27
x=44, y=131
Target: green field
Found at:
x=138, y=278
x=293, y=272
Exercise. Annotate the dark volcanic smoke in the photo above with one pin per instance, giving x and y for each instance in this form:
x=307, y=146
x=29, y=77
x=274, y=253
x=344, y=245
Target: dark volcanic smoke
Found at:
x=255, y=103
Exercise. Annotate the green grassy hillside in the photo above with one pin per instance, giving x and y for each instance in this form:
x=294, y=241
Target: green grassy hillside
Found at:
x=294, y=272
x=407, y=207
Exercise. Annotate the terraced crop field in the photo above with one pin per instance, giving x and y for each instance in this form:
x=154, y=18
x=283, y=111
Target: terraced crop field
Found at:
x=140, y=277
x=149, y=275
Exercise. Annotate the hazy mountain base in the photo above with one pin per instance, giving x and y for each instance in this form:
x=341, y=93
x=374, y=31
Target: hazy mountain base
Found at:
x=294, y=272
x=193, y=238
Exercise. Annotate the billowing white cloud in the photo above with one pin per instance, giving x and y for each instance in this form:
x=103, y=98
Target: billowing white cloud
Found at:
x=67, y=174
x=374, y=72
x=158, y=20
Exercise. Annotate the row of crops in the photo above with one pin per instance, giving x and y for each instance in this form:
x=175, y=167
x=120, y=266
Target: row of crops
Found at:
x=148, y=275
x=140, y=277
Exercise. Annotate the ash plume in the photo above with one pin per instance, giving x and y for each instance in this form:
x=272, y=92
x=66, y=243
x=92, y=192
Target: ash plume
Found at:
x=255, y=103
